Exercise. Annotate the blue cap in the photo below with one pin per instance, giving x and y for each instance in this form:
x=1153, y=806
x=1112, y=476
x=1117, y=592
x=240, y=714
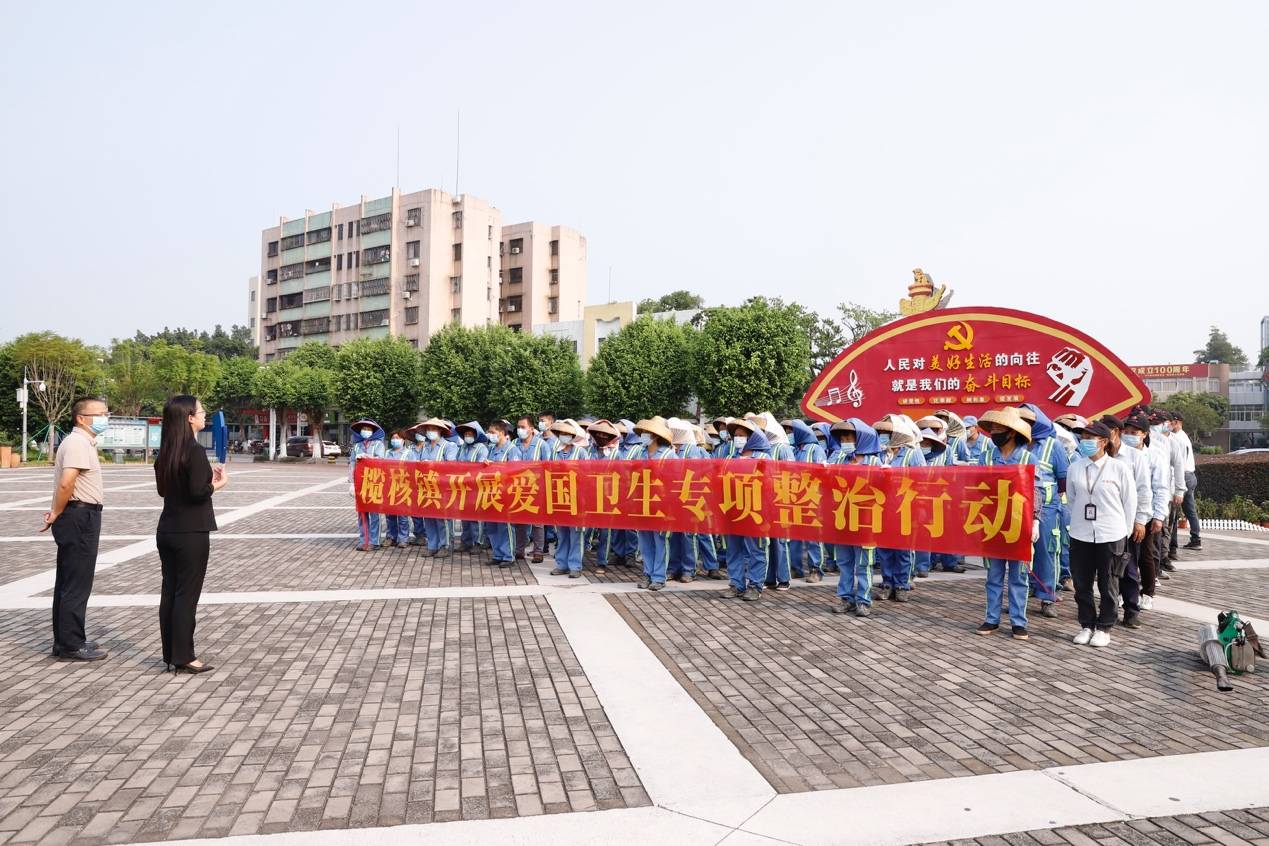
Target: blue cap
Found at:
x=969, y=420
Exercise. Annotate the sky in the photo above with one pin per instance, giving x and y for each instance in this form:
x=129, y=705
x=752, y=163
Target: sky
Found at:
x=1103, y=164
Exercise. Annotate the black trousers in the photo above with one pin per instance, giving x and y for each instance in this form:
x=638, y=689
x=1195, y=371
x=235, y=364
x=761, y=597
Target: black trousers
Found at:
x=184, y=557
x=1092, y=564
x=77, y=532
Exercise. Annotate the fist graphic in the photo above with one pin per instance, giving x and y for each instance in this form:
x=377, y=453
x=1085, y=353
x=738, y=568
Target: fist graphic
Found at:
x=1072, y=370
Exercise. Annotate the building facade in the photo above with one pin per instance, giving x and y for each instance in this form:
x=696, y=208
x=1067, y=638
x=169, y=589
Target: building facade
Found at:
x=599, y=322
x=406, y=265
x=543, y=278
x=1246, y=391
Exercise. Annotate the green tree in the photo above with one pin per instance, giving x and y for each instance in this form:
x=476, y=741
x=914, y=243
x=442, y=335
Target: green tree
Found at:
x=312, y=391
x=552, y=377
x=235, y=390
x=67, y=367
x=1263, y=360
x=858, y=320
x=1204, y=414
x=752, y=358
x=673, y=301
x=10, y=413
x=642, y=370
x=179, y=370
x=379, y=378
x=237, y=342
x=132, y=382
x=1220, y=349
x=313, y=354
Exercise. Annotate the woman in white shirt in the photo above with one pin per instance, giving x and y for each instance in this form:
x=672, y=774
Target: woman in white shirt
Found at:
x=1103, y=503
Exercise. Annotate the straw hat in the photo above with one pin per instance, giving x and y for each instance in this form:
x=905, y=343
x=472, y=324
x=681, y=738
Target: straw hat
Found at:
x=604, y=427
x=434, y=422
x=1071, y=421
x=365, y=421
x=748, y=425
x=567, y=426
x=883, y=426
x=932, y=422
x=842, y=426
x=701, y=440
x=656, y=426
x=681, y=430
x=1010, y=419
x=935, y=435
x=1026, y=413
x=711, y=430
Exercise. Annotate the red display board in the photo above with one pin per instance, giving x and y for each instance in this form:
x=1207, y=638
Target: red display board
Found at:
x=967, y=510
x=970, y=360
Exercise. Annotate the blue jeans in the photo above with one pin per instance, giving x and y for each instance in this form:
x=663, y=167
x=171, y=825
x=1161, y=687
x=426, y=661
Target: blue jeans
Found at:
x=568, y=548
x=746, y=561
x=502, y=540
x=808, y=554
x=923, y=561
x=368, y=529
x=780, y=561
x=655, y=547
x=707, y=556
x=830, y=557
x=436, y=532
x=896, y=567
x=1064, y=527
x=470, y=535
x=398, y=529
x=854, y=584
x=682, y=554
x=1016, y=573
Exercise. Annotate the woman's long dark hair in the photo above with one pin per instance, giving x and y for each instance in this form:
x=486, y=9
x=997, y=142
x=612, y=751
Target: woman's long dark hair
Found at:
x=174, y=445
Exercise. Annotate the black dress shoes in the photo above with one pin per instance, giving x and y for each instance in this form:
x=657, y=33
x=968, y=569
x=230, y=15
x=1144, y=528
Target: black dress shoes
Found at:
x=85, y=654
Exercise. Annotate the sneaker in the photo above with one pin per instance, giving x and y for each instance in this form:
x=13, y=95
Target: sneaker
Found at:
x=1047, y=610
x=686, y=577
x=575, y=574
x=559, y=571
x=1083, y=637
x=843, y=608
x=1065, y=584
x=813, y=577
x=782, y=586
x=1147, y=602
x=863, y=611
x=656, y=586
x=716, y=575
x=1163, y=576
x=1119, y=601
x=1131, y=622
x=1020, y=633
x=886, y=590
x=901, y=595
x=1194, y=544
x=537, y=558
x=955, y=568
x=752, y=595
x=1100, y=638
x=891, y=593
x=643, y=583
x=1168, y=566
x=987, y=628
x=733, y=592
x=601, y=571
x=921, y=575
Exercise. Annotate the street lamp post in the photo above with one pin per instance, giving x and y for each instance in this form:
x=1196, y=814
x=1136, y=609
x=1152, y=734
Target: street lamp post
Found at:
x=23, y=398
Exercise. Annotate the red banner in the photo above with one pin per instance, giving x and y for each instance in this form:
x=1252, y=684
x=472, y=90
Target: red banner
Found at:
x=965, y=510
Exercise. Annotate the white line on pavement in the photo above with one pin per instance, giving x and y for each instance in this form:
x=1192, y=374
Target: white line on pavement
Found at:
x=1199, y=613
x=1236, y=539
x=1224, y=564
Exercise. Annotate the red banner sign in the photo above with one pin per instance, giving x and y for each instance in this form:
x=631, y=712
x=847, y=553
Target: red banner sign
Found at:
x=1155, y=371
x=969, y=360
x=966, y=510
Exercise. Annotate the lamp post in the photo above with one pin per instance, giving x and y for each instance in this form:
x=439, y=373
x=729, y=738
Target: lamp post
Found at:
x=23, y=396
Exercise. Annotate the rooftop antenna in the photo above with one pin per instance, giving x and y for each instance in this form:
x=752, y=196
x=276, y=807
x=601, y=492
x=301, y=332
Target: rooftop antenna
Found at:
x=610, y=283
x=398, y=155
x=458, y=147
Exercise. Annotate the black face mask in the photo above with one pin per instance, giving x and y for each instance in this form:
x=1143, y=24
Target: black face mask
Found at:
x=1001, y=438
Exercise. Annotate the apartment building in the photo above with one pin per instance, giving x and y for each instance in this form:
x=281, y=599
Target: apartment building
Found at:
x=253, y=309
x=543, y=278
x=405, y=264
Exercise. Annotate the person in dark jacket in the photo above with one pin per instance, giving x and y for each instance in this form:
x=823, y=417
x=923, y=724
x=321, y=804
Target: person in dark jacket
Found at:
x=186, y=482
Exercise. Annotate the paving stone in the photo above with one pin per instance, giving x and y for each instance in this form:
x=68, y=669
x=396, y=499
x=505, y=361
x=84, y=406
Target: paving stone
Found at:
x=1245, y=591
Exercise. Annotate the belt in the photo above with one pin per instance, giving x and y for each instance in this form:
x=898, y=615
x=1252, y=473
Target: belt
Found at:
x=91, y=506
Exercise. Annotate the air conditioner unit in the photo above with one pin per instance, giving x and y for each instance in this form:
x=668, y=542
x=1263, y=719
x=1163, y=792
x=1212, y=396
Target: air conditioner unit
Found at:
x=409, y=221
x=515, y=251
x=414, y=262
x=407, y=295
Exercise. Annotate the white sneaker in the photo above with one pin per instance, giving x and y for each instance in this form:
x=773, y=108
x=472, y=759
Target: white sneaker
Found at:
x=1083, y=637
x=1100, y=638
x=1146, y=602
x=1119, y=601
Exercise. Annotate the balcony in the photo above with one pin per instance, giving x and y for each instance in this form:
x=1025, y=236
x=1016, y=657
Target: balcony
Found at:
x=376, y=223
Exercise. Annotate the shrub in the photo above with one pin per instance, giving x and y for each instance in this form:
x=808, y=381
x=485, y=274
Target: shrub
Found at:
x=1222, y=478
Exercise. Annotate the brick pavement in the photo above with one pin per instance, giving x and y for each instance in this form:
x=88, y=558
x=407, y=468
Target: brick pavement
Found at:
x=1249, y=827
x=1246, y=591
x=817, y=701
x=1216, y=549
x=19, y=560
x=322, y=715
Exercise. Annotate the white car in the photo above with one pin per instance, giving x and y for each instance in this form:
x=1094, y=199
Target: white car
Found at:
x=331, y=448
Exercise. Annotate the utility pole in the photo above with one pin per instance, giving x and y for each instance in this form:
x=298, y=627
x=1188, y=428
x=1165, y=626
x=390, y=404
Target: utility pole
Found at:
x=24, y=399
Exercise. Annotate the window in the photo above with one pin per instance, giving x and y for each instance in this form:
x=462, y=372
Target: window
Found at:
x=317, y=236
x=456, y=284
x=555, y=247
x=515, y=303
x=271, y=277
x=491, y=232
x=293, y=241
x=514, y=327
x=412, y=250
x=273, y=249
x=412, y=315
x=317, y=295
x=555, y=276
x=317, y=265
x=315, y=326
x=339, y=261
x=517, y=275
x=412, y=282
x=458, y=219
x=377, y=255
x=270, y=334
x=270, y=305
x=517, y=245
x=375, y=224
x=458, y=252
x=373, y=319
x=413, y=217
x=456, y=314
x=356, y=257
x=253, y=295
x=356, y=224
x=374, y=287
x=289, y=329
x=291, y=271
x=553, y=305
x=251, y=323
x=291, y=300
x=341, y=231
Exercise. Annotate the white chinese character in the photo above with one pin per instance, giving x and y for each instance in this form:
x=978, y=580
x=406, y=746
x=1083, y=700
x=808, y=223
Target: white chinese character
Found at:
x=940, y=384
x=1033, y=358
x=905, y=364
x=910, y=385
x=954, y=383
x=896, y=386
x=1002, y=359
x=889, y=365
x=918, y=364
x=927, y=385
x=1015, y=360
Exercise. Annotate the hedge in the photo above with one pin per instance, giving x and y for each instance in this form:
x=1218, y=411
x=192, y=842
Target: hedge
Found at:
x=1222, y=477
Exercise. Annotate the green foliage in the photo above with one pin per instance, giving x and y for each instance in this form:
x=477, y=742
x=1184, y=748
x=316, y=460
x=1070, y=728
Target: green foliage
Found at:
x=68, y=367
x=491, y=372
x=1263, y=360
x=643, y=370
x=10, y=413
x=313, y=354
x=753, y=358
x=132, y=382
x=1220, y=349
x=179, y=370
x=673, y=301
x=378, y=378
x=1223, y=477
x=232, y=344
x=271, y=385
x=234, y=391
x=1204, y=413
x=1238, y=508
x=858, y=320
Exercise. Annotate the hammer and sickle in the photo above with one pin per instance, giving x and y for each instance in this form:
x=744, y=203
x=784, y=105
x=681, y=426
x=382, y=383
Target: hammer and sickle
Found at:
x=962, y=335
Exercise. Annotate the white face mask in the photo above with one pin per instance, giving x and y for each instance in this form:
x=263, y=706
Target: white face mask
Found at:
x=740, y=441
x=367, y=433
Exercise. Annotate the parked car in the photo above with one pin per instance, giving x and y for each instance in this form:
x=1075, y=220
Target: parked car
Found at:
x=299, y=447
x=331, y=448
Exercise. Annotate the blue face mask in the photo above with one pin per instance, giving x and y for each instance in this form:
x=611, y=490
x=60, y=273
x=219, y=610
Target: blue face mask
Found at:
x=1088, y=448
x=928, y=453
x=397, y=443
x=367, y=433
x=432, y=434
x=645, y=439
x=522, y=432
x=883, y=439
x=541, y=425
x=740, y=441
x=100, y=424
x=469, y=439
x=715, y=441
x=1133, y=441
x=565, y=439
x=418, y=436
x=724, y=436
x=848, y=447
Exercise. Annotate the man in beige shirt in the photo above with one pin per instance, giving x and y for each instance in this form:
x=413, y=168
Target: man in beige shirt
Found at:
x=75, y=519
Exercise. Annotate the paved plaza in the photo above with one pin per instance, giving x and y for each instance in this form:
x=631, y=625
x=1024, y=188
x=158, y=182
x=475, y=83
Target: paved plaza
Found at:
x=389, y=697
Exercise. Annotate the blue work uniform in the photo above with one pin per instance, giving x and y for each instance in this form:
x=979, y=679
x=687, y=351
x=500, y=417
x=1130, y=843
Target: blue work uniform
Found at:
x=1005, y=575
x=807, y=556
x=436, y=530
x=855, y=562
x=898, y=565
x=568, y=550
x=940, y=456
x=830, y=447
x=747, y=556
x=654, y=546
x=502, y=536
x=1051, y=464
x=779, y=550
x=398, y=528
x=531, y=449
x=362, y=447
x=685, y=547
x=478, y=452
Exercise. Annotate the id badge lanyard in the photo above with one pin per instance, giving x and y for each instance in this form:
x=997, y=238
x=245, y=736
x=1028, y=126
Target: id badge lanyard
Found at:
x=1090, y=508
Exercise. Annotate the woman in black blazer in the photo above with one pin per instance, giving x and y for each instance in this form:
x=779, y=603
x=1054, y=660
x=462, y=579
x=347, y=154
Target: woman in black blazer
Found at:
x=186, y=482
